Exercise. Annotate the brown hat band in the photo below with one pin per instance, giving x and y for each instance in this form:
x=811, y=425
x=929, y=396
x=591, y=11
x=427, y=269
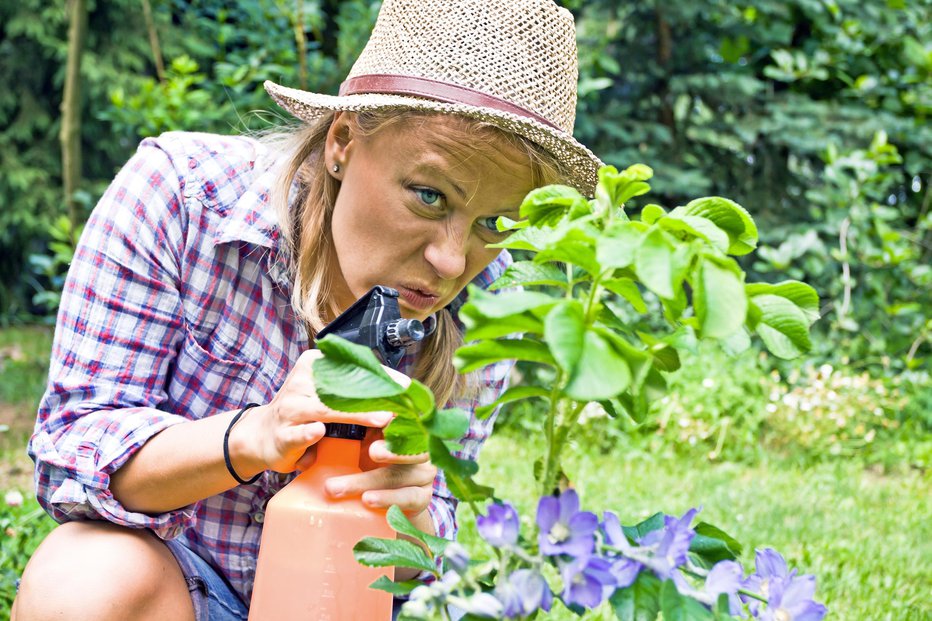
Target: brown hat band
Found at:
x=433, y=89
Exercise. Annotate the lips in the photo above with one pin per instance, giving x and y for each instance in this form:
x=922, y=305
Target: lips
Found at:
x=419, y=299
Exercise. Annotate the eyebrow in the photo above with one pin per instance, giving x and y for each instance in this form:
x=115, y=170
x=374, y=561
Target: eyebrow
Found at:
x=437, y=170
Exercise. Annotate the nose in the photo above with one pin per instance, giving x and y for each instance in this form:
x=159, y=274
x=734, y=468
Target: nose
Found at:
x=446, y=252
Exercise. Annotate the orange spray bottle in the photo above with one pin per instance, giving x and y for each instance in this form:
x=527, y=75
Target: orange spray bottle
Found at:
x=306, y=569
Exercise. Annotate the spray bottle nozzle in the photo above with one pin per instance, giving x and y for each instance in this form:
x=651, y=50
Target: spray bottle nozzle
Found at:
x=375, y=321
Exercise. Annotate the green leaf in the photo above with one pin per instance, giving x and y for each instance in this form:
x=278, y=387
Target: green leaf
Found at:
x=563, y=332
x=515, y=393
x=524, y=273
x=575, y=247
x=727, y=215
x=601, y=372
x=800, y=294
x=458, y=473
x=375, y=552
x=529, y=238
x=654, y=522
x=619, y=187
x=640, y=601
x=651, y=213
x=678, y=607
x=475, y=356
x=350, y=370
x=400, y=522
x=654, y=263
x=449, y=424
x=397, y=589
x=696, y=227
x=421, y=397
x=617, y=246
x=720, y=301
x=480, y=327
x=405, y=435
x=713, y=544
x=782, y=325
x=548, y=205
x=441, y=457
x=626, y=288
x=508, y=302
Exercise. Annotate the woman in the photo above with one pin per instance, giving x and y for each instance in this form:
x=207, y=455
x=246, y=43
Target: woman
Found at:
x=210, y=264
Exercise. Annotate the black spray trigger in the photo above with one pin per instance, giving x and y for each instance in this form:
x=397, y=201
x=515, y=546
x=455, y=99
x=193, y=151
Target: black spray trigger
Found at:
x=375, y=321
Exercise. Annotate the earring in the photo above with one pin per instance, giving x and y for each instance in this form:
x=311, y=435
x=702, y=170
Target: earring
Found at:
x=336, y=168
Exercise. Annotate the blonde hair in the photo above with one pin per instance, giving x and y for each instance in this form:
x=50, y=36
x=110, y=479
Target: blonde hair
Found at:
x=304, y=197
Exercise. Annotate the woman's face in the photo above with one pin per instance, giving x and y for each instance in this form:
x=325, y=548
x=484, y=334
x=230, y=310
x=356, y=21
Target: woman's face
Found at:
x=414, y=216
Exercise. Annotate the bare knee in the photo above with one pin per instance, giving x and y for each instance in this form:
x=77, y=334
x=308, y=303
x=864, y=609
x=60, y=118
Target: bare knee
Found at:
x=96, y=570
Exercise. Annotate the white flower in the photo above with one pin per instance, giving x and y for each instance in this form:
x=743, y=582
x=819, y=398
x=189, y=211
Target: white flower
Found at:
x=14, y=498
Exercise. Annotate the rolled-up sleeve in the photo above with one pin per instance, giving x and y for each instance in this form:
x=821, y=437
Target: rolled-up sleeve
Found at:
x=119, y=327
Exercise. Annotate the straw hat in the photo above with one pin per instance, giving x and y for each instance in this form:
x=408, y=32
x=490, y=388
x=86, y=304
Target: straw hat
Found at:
x=511, y=63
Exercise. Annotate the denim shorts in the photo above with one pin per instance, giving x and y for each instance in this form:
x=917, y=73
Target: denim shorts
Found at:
x=213, y=597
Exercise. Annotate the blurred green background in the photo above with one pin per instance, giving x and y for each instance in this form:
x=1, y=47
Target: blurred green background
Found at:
x=813, y=114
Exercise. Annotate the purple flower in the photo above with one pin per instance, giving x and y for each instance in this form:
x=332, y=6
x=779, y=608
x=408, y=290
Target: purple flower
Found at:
x=789, y=597
x=500, y=526
x=457, y=557
x=625, y=570
x=480, y=605
x=524, y=592
x=791, y=600
x=564, y=529
x=725, y=577
x=587, y=581
x=670, y=543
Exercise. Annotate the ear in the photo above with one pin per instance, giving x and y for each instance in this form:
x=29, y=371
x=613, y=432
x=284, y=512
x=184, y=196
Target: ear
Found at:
x=339, y=145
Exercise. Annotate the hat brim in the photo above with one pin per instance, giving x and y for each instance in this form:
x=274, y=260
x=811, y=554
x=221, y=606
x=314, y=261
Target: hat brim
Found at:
x=582, y=164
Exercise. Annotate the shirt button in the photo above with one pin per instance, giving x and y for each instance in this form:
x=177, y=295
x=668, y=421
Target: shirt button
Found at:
x=258, y=517
x=192, y=163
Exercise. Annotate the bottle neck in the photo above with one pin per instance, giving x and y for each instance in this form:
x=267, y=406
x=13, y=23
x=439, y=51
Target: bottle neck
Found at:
x=338, y=452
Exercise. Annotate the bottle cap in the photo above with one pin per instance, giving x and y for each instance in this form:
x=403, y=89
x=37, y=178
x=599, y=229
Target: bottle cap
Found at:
x=345, y=431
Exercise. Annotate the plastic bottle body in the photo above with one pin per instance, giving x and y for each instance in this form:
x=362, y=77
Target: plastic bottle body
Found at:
x=306, y=569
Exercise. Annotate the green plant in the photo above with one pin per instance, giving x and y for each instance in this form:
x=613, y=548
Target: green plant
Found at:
x=577, y=306
x=23, y=526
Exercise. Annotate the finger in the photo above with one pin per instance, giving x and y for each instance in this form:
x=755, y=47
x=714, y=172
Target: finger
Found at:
x=411, y=500
x=385, y=478
x=302, y=435
x=300, y=409
x=398, y=376
x=379, y=453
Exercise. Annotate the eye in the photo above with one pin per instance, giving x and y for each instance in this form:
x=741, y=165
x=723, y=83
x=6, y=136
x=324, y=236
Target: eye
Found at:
x=489, y=223
x=429, y=196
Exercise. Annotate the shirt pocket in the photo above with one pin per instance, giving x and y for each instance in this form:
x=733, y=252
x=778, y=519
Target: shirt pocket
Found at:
x=207, y=379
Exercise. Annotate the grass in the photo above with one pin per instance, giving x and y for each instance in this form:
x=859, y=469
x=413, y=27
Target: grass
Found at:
x=866, y=537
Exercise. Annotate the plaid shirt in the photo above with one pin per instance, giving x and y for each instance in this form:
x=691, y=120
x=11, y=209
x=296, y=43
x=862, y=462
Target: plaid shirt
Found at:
x=177, y=307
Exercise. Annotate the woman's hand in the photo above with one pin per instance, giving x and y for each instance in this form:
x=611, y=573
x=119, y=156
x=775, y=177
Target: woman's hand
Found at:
x=280, y=436
x=403, y=480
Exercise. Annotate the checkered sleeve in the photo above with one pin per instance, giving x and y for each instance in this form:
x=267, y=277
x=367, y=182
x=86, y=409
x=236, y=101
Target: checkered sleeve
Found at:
x=119, y=326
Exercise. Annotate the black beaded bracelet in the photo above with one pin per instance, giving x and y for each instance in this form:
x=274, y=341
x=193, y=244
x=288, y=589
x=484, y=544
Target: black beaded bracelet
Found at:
x=226, y=447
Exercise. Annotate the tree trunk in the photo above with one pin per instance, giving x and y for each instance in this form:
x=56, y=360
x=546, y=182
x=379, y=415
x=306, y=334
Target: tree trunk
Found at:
x=70, y=136
x=154, y=41
x=664, y=57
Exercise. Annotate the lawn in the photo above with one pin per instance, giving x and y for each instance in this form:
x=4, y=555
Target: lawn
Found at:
x=865, y=533
x=867, y=537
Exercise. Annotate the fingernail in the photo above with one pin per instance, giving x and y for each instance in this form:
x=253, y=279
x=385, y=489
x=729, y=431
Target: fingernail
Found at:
x=382, y=419
x=370, y=500
x=336, y=489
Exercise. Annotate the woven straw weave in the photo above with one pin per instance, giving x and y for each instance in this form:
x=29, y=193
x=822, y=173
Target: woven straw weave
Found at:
x=520, y=51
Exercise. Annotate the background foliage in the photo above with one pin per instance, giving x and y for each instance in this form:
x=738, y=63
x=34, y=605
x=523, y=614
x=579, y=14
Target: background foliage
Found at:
x=814, y=114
